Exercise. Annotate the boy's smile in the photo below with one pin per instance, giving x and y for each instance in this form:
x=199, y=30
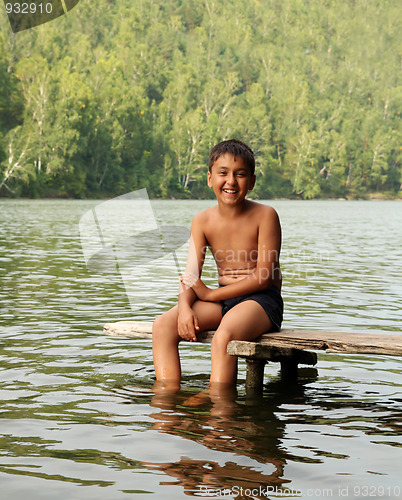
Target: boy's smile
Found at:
x=230, y=179
x=245, y=240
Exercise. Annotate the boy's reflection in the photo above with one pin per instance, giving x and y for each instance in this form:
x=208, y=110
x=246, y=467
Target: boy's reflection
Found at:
x=214, y=419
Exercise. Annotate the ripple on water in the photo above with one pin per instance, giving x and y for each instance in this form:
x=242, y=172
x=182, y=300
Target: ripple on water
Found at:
x=78, y=409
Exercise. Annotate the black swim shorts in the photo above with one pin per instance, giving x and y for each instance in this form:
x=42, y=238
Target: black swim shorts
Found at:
x=270, y=300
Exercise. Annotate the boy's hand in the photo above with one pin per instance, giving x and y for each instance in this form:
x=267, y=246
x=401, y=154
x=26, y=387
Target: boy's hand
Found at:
x=187, y=325
x=194, y=282
x=189, y=279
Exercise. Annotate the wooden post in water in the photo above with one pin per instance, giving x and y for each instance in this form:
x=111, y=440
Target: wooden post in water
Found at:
x=255, y=375
x=289, y=371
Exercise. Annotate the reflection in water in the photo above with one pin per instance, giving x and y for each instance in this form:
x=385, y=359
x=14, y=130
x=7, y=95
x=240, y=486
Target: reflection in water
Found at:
x=61, y=429
x=250, y=434
x=247, y=428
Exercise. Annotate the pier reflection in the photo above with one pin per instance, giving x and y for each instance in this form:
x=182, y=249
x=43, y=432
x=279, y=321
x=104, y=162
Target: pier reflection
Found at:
x=246, y=433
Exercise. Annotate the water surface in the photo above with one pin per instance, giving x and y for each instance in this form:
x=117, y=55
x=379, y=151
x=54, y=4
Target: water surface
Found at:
x=79, y=418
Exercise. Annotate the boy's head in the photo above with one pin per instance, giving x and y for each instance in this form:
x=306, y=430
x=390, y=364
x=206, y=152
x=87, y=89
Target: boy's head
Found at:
x=235, y=148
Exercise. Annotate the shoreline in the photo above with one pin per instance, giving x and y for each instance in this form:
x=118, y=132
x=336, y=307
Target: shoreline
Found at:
x=64, y=198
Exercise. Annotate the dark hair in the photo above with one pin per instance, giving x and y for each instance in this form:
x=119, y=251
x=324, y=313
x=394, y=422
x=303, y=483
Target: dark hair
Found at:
x=235, y=148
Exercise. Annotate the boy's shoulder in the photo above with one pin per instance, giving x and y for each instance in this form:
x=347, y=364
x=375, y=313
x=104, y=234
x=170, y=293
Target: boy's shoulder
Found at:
x=256, y=206
x=205, y=215
x=260, y=212
x=202, y=221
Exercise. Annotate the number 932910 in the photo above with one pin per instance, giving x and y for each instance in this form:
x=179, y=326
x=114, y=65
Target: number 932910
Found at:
x=28, y=8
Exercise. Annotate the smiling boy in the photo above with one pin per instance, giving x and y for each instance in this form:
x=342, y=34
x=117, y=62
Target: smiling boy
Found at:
x=245, y=240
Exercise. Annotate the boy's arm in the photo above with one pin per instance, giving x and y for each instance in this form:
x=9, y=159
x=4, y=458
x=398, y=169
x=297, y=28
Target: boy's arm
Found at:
x=187, y=320
x=269, y=246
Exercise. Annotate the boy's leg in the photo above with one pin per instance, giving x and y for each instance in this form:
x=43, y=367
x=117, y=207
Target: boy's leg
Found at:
x=245, y=321
x=165, y=337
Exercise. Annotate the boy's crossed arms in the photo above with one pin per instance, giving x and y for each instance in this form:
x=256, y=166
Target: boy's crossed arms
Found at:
x=263, y=264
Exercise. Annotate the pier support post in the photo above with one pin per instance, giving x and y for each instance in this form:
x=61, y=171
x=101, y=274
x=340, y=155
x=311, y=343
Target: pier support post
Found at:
x=255, y=375
x=289, y=370
x=257, y=354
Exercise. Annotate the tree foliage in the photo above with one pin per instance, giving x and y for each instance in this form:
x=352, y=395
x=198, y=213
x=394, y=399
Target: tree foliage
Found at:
x=117, y=96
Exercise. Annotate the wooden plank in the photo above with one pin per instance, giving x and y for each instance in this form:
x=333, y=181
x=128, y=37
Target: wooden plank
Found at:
x=256, y=350
x=356, y=343
x=143, y=330
x=135, y=329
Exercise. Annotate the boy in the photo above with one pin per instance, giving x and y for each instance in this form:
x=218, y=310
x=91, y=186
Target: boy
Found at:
x=245, y=239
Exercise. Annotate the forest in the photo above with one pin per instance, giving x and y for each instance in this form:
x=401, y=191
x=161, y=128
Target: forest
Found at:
x=130, y=94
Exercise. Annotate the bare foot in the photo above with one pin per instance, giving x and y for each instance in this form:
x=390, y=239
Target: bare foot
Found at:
x=198, y=399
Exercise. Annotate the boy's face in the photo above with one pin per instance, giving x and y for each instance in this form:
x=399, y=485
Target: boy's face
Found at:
x=230, y=179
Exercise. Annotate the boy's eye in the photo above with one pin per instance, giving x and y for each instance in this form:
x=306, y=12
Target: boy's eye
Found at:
x=238, y=174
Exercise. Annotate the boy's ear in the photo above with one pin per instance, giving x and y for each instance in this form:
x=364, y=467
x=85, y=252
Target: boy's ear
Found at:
x=209, y=179
x=252, y=183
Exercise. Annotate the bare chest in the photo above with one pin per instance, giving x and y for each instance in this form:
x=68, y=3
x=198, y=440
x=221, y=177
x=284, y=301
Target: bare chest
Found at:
x=232, y=244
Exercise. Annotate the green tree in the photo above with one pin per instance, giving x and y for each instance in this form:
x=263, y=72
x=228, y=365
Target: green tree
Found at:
x=121, y=95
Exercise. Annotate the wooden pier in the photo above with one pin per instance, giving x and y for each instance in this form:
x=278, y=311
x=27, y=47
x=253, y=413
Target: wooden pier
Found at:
x=286, y=347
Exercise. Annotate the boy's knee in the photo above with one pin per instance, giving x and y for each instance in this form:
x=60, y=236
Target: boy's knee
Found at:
x=220, y=339
x=163, y=325
x=159, y=324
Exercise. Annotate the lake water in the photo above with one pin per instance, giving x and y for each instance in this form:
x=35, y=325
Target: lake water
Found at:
x=79, y=418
